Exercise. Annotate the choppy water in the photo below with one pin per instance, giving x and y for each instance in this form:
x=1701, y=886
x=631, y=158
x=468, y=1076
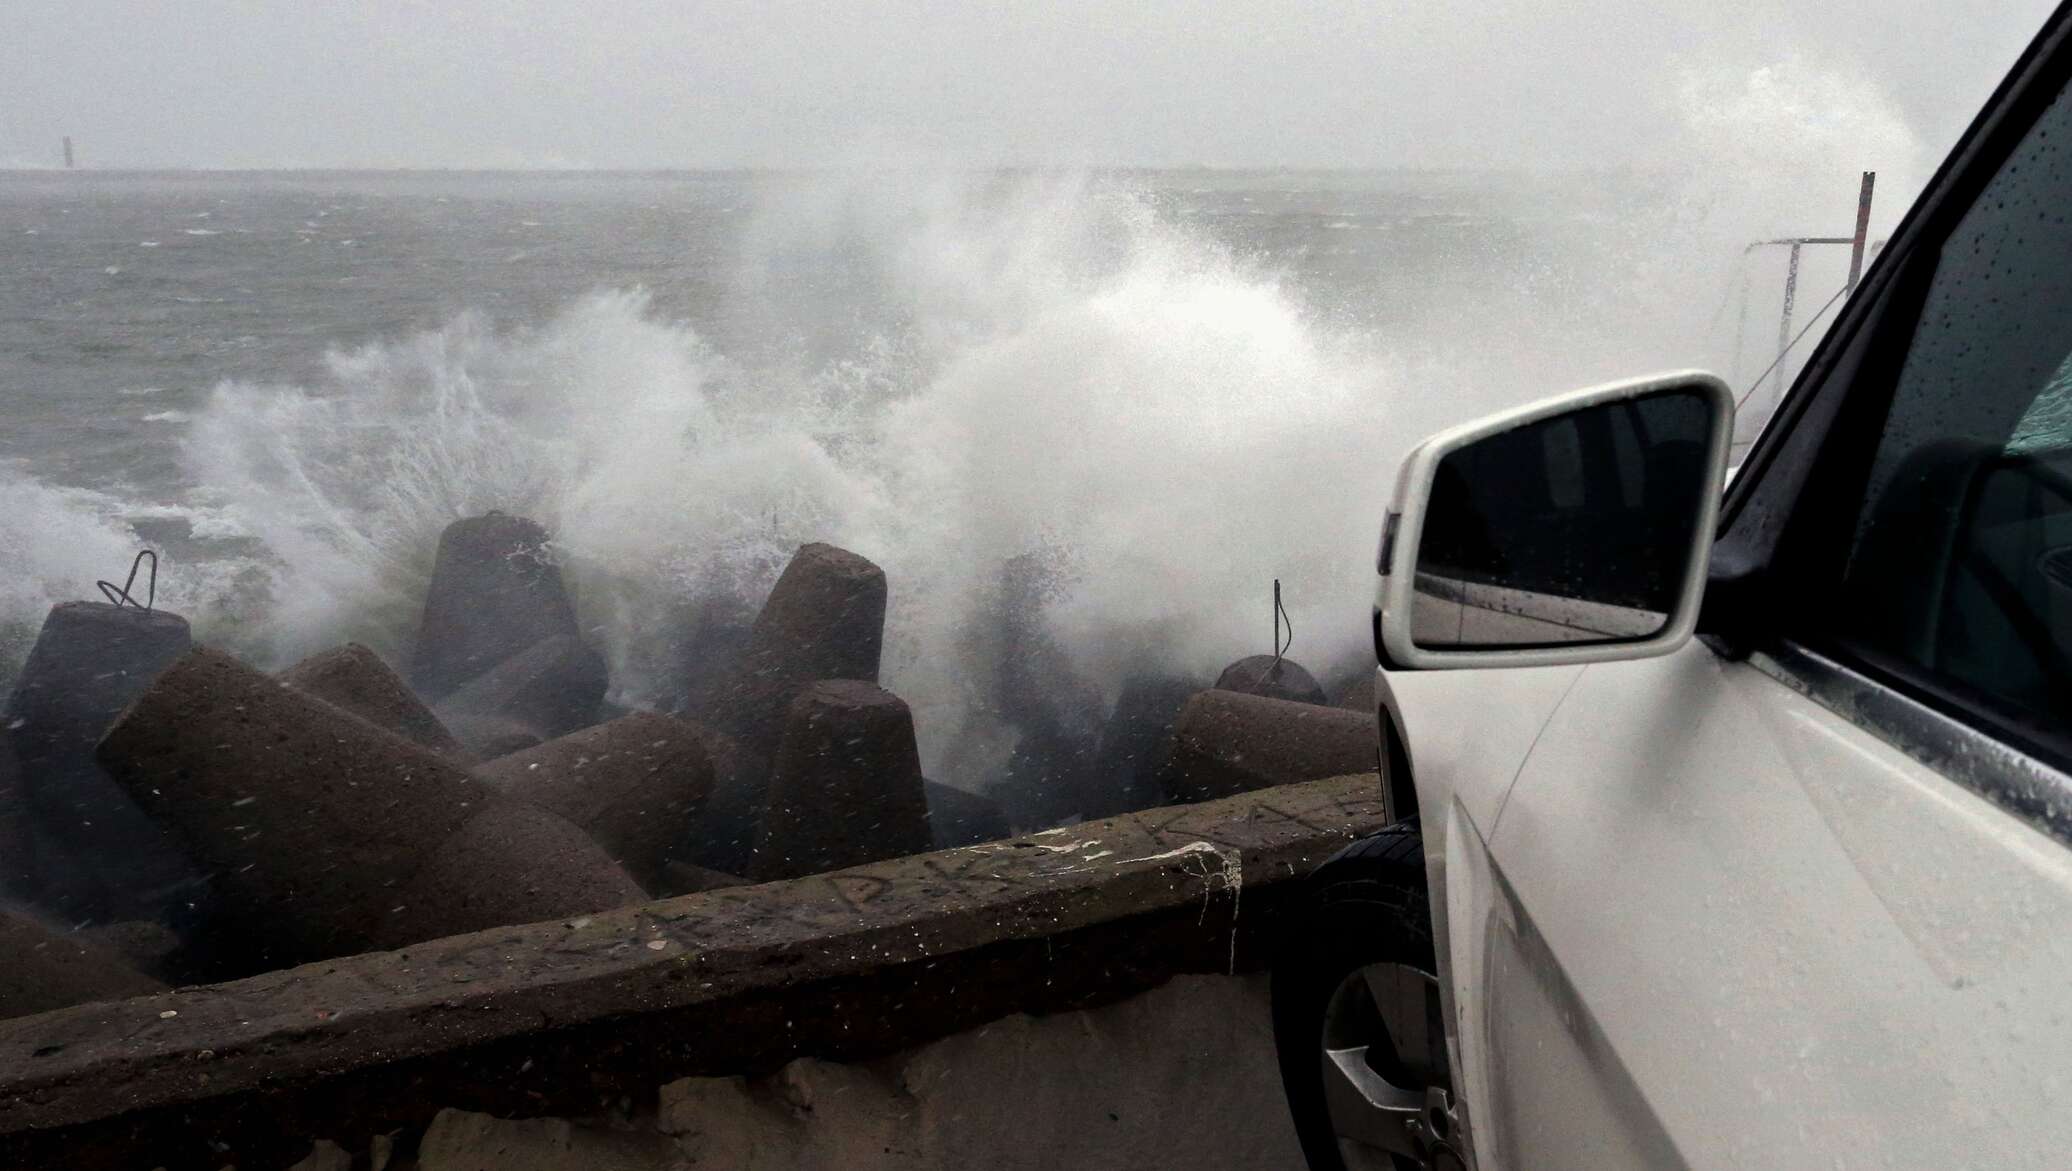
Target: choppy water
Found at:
x=1173, y=387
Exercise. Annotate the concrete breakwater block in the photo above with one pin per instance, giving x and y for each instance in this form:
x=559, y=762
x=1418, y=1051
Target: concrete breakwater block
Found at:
x=45, y=969
x=711, y=641
x=825, y=619
x=484, y=738
x=846, y=785
x=1052, y=772
x=958, y=817
x=636, y=785
x=17, y=836
x=723, y=837
x=1226, y=743
x=90, y=660
x=686, y=878
x=149, y=947
x=1050, y=776
x=1134, y=741
x=551, y=688
x=1263, y=675
x=356, y=679
x=511, y=863
x=496, y=589
x=310, y=818
x=1363, y=694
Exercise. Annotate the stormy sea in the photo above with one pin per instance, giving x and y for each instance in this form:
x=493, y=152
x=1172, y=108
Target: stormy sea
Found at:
x=1121, y=405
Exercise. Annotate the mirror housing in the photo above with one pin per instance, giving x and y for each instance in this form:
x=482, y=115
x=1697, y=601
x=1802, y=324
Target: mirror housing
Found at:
x=1573, y=530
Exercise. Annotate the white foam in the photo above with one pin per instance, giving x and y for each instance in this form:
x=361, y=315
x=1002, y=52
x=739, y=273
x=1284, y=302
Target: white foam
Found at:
x=1050, y=368
x=997, y=369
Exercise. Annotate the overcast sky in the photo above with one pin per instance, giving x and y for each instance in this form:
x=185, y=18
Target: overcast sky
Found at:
x=495, y=83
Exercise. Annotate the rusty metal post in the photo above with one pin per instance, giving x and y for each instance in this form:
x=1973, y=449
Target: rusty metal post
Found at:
x=1863, y=228
x=1856, y=244
x=1791, y=296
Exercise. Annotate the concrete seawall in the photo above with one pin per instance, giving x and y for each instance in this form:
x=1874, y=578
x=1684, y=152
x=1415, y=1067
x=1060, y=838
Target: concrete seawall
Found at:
x=1180, y=1076
x=596, y=1016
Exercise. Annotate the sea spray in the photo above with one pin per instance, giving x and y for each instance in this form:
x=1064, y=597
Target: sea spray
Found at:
x=1067, y=373
x=944, y=372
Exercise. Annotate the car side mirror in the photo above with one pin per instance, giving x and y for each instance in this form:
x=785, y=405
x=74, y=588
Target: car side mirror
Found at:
x=1573, y=530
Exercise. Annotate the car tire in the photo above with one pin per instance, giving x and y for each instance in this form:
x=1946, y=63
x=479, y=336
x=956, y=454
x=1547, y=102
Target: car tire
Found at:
x=1366, y=923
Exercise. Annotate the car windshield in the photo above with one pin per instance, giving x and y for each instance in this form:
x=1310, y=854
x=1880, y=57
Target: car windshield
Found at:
x=471, y=469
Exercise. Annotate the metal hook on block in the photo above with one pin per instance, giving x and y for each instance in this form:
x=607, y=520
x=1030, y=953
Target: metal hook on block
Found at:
x=121, y=595
x=1280, y=620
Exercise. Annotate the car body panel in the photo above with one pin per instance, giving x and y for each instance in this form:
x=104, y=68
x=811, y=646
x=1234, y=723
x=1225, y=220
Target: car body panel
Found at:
x=1466, y=734
x=1469, y=731
x=1537, y=1032
x=1795, y=943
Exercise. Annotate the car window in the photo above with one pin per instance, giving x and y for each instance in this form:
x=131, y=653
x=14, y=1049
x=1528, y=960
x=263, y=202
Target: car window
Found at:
x=1632, y=457
x=1564, y=464
x=2049, y=418
x=1961, y=557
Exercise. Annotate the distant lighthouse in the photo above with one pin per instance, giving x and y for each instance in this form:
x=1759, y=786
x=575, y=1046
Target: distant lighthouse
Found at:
x=68, y=152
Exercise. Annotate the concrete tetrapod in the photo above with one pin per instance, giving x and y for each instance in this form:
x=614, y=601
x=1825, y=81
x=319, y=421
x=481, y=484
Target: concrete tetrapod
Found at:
x=100, y=856
x=711, y=640
x=684, y=878
x=47, y=969
x=959, y=817
x=356, y=679
x=724, y=836
x=1052, y=773
x=309, y=817
x=1139, y=730
x=1272, y=678
x=825, y=619
x=511, y=863
x=18, y=876
x=1226, y=743
x=846, y=786
x=551, y=688
x=491, y=737
x=636, y=785
x=496, y=589
x=151, y=948
x=314, y=821
x=1363, y=695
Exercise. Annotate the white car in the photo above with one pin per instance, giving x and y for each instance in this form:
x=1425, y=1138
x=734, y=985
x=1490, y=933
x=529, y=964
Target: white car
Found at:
x=1735, y=829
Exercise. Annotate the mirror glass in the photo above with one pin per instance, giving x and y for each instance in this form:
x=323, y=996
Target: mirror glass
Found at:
x=1571, y=529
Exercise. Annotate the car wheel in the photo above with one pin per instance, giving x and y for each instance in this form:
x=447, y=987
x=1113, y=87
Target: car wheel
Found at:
x=1357, y=1018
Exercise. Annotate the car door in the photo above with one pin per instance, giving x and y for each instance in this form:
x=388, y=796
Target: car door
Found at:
x=1800, y=894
